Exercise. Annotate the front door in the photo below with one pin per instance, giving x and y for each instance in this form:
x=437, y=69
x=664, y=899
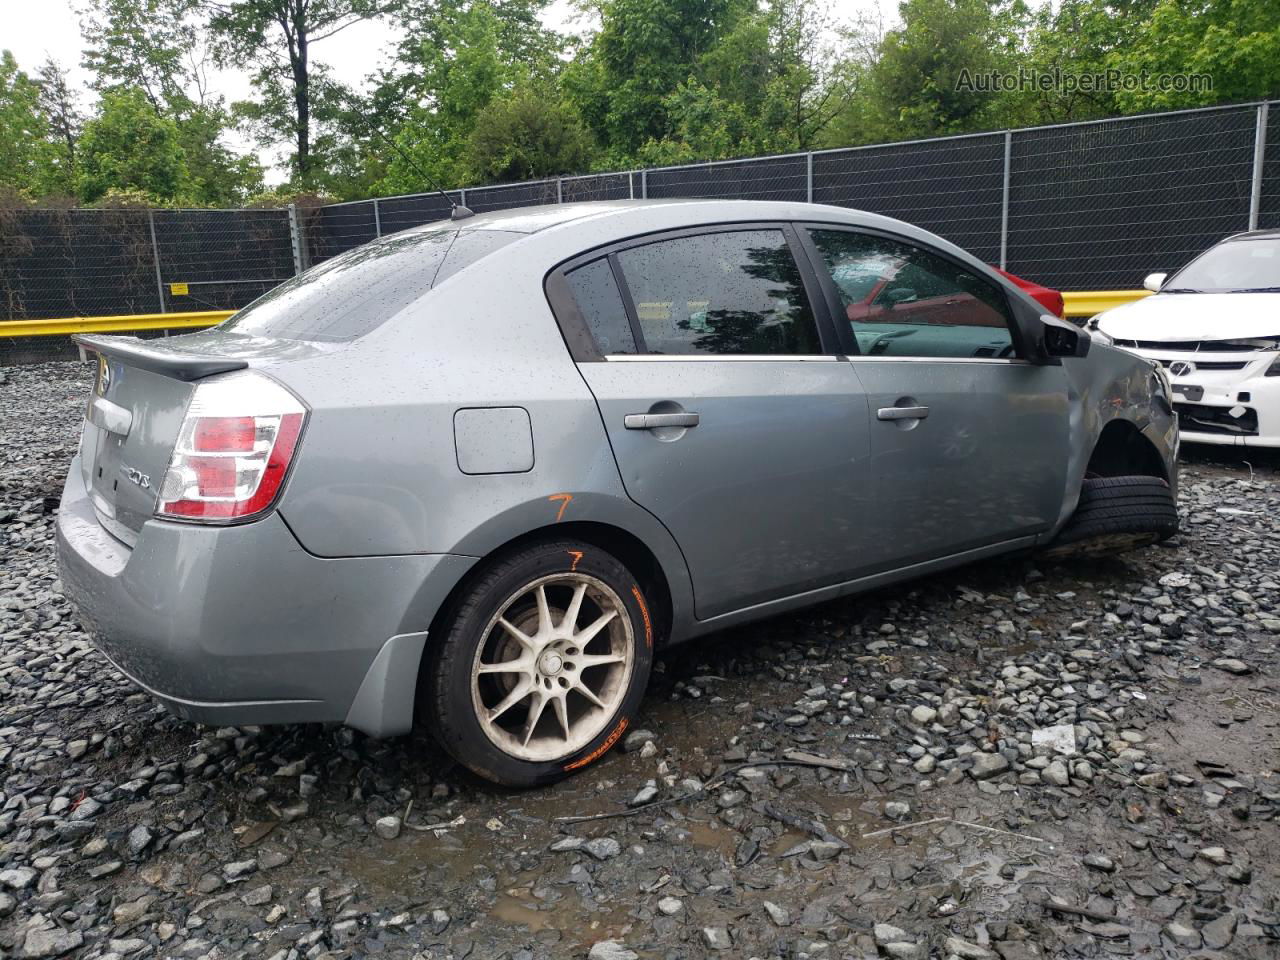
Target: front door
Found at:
x=731, y=419
x=968, y=440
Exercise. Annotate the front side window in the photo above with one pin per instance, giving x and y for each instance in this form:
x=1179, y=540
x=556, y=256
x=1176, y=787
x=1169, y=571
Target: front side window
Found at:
x=736, y=292
x=904, y=301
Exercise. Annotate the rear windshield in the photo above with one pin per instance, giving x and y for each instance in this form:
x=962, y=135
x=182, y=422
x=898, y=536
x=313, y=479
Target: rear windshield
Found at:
x=357, y=291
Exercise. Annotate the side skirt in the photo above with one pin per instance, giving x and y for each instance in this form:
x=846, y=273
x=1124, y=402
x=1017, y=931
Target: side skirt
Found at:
x=810, y=598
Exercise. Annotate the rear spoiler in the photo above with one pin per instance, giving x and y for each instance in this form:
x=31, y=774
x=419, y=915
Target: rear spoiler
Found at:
x=148, y=355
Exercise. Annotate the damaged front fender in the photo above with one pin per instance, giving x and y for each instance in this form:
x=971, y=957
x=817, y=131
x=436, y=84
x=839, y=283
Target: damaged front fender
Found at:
x=1113, y=386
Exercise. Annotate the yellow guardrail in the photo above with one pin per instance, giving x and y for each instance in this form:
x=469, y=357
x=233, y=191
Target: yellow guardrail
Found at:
x=65, y=326
x=1085, y=303
x=1077, y=303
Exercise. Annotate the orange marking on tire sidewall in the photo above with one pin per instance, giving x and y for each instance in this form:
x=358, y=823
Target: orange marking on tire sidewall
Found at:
x=577, y=558
x=601, y=750
x=644, y=612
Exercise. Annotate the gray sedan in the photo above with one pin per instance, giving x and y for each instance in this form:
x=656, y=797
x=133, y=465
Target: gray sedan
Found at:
x=479, y=471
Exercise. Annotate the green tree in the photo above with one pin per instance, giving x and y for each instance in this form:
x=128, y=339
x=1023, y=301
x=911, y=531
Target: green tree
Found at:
x=773, y=83
x=278, y=35
x=151, y=45
x=454, y=57
x=161, y=48
x=460, y=70
x=215, y=174
x=527, y=134
x=645, y=49
x=914, y=89
x=518, y=33
x=59, y=103
x=128, y=146
x=24, y=149
x=1235, y=42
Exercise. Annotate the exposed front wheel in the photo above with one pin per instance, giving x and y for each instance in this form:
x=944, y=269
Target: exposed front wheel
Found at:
x=543, y=666
x=1116, y=514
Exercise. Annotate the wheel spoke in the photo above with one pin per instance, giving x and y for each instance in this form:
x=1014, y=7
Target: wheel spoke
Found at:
x=588, y=633
x=562, y=714
x=518, y=693
x=535, y=714
x=589, y=660
x=544, y=612
x=584, y=691
x=518, y=665
x=575, y=607
x=517, y=634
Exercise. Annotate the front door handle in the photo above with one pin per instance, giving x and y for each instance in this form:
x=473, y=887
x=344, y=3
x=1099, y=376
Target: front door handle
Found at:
x=648, y=421
x=902, y=413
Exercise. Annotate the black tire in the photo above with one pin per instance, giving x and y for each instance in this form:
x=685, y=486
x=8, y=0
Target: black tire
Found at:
x=445, y=689
x=1116, y=514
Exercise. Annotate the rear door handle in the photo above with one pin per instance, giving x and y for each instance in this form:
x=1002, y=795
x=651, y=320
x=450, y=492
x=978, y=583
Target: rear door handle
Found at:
x=902, y=413
x=647, y=421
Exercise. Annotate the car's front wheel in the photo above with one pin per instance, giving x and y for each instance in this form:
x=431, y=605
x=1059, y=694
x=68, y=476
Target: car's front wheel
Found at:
x=543, y=665
x=1115, y=514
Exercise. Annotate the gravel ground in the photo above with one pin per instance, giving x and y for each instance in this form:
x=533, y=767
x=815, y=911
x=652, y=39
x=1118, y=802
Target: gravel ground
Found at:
x=1015, y=760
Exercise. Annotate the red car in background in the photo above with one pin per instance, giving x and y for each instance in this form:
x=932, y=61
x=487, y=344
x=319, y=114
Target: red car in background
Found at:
x=890, y=289
x=1047, y=297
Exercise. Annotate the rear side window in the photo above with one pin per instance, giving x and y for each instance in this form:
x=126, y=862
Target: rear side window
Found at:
x=734, y=292
x=358, y=291
x=596, y=292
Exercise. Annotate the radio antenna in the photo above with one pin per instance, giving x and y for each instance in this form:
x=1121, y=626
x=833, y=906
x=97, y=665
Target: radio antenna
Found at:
x=456, y=210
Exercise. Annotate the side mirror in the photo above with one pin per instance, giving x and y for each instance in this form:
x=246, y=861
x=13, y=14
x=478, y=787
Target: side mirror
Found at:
x=900, y=295
x=1154, y=281
x=1059, y=338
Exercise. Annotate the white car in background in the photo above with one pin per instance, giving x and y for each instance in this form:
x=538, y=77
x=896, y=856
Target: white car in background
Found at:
x=1215, y=328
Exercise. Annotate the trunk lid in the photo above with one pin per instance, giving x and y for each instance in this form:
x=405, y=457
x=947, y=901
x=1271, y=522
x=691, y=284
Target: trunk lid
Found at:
x=132, y=419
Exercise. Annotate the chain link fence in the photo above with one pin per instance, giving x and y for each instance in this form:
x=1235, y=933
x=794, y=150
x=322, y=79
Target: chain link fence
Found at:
x=1094, y=205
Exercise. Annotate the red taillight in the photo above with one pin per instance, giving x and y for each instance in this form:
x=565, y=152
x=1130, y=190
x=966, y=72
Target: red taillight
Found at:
x=225, y=434
x=228, y=464
x=215, y=476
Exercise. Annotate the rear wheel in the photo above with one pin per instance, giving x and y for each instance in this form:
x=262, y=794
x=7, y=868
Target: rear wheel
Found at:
x=1116, y=514
x=543, y=666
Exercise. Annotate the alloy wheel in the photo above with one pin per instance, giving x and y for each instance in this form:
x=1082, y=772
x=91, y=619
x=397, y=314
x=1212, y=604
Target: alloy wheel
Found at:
x=553, y=666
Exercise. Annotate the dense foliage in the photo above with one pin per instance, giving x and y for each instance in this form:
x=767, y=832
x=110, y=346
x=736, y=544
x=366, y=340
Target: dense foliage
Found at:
x=481, y=91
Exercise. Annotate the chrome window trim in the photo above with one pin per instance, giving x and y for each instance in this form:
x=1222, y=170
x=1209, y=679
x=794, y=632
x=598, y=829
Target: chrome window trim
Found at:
x=861, y=358
x=802, y=358
x=722, y=357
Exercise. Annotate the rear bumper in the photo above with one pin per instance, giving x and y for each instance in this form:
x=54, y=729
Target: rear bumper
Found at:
x=234, y=625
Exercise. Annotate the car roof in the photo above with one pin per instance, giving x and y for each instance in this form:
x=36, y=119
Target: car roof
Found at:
x=1269, y=234
x=538, y=217
x=534, y=219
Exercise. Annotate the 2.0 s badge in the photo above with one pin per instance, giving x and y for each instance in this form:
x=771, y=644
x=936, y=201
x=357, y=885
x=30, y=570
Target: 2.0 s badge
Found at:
x=136, y=476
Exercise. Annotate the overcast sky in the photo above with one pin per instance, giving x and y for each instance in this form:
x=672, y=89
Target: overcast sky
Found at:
x=32, y=29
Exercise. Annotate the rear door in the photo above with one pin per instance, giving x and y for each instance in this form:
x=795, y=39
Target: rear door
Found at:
x=969, y=440
x=729, y=410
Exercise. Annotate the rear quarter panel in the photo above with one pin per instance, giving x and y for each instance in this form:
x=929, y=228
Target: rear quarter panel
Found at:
x=378, y=471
